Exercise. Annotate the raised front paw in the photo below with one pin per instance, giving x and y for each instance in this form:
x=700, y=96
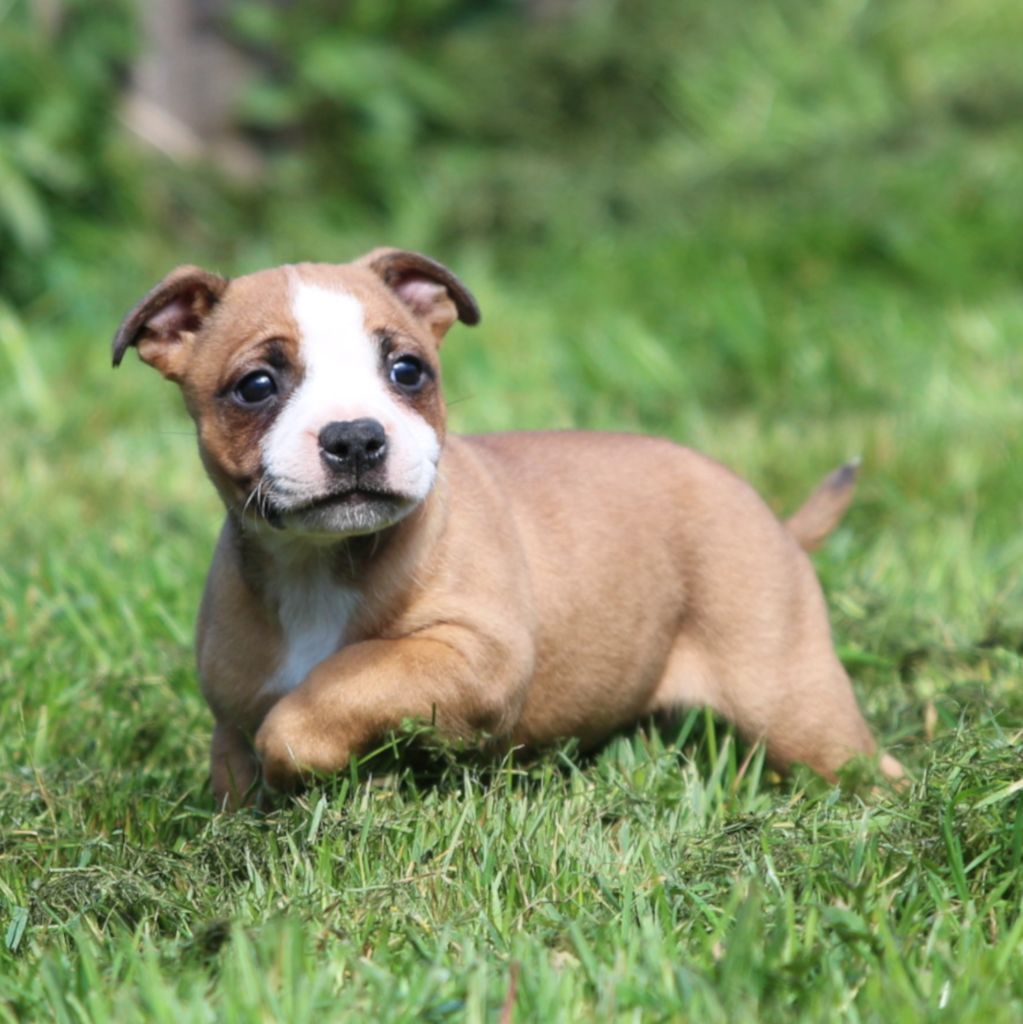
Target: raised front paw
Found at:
x=294, y=747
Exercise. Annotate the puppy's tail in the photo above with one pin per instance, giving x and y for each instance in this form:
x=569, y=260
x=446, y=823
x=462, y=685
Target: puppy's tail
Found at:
x=823, y=510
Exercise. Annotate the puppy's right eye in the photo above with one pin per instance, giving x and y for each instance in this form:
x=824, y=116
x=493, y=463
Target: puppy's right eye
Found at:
x=255, y=388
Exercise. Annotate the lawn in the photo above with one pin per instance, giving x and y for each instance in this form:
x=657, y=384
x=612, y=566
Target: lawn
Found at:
x=834, y=273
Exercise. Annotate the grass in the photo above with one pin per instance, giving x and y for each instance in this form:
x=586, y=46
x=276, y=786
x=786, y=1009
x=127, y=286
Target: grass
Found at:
x=839, y=281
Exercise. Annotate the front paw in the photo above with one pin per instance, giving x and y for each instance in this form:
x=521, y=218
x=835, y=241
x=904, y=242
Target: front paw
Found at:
x=293, y=749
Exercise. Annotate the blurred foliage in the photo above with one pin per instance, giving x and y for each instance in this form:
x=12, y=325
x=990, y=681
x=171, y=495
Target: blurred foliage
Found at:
x=352, y=91
x=461, y=123
x=782, y=211
x=62, y=66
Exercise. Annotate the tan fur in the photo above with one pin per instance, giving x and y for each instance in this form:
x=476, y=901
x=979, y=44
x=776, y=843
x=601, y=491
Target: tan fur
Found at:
x=551, y=585
x=823, y=510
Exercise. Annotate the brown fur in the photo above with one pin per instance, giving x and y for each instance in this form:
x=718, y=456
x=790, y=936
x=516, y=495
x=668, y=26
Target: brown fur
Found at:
x=551, y=585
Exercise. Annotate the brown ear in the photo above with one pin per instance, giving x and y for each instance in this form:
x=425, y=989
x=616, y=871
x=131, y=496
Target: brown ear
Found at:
x=164, y=323
x=427, y=287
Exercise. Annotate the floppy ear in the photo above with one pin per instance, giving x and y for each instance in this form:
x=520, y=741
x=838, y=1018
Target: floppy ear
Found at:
x=163, y=325
x=427, y=287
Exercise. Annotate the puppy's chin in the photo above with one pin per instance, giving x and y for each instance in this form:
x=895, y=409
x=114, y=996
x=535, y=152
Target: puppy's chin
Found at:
x=349, y=515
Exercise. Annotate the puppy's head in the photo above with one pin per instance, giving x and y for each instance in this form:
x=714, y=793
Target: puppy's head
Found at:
x=315, y=388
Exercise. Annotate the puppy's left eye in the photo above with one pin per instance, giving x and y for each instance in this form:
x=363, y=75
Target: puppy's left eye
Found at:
x=255, y=388
x=408, y=373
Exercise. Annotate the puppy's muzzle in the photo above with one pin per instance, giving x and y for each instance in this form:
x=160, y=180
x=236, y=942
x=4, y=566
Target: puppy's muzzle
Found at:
x=353, y=446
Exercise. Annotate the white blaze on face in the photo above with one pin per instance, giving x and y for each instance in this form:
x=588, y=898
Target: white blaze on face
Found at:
x=343, y=380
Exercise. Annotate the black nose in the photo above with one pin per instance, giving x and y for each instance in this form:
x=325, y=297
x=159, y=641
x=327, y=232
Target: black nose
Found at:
x=353, y=445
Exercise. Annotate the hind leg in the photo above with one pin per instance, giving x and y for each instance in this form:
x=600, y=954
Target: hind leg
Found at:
x=799, y=702
x=813, y=719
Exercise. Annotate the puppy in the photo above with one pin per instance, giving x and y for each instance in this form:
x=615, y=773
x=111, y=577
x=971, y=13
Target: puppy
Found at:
x=525, y=586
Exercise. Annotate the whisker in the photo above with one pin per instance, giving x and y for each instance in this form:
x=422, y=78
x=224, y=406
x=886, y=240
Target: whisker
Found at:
x=263, y=500
x=250, y=499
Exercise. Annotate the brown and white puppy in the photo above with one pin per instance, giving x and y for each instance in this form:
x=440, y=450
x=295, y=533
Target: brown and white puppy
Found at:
x=526, y=586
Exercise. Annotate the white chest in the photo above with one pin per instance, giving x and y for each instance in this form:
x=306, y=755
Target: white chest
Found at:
x=314, y=613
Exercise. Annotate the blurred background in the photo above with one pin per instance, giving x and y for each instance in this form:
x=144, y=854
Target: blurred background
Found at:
x=693, y=205
x=785, y=233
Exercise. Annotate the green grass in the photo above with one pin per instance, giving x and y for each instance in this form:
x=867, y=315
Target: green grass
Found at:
x=836, y=274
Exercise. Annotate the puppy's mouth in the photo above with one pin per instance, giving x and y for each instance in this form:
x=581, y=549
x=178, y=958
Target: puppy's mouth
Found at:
x=354, y=496
x=340, y=513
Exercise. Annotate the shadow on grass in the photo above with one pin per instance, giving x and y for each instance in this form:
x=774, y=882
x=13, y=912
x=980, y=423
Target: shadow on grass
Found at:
x=417, y=760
